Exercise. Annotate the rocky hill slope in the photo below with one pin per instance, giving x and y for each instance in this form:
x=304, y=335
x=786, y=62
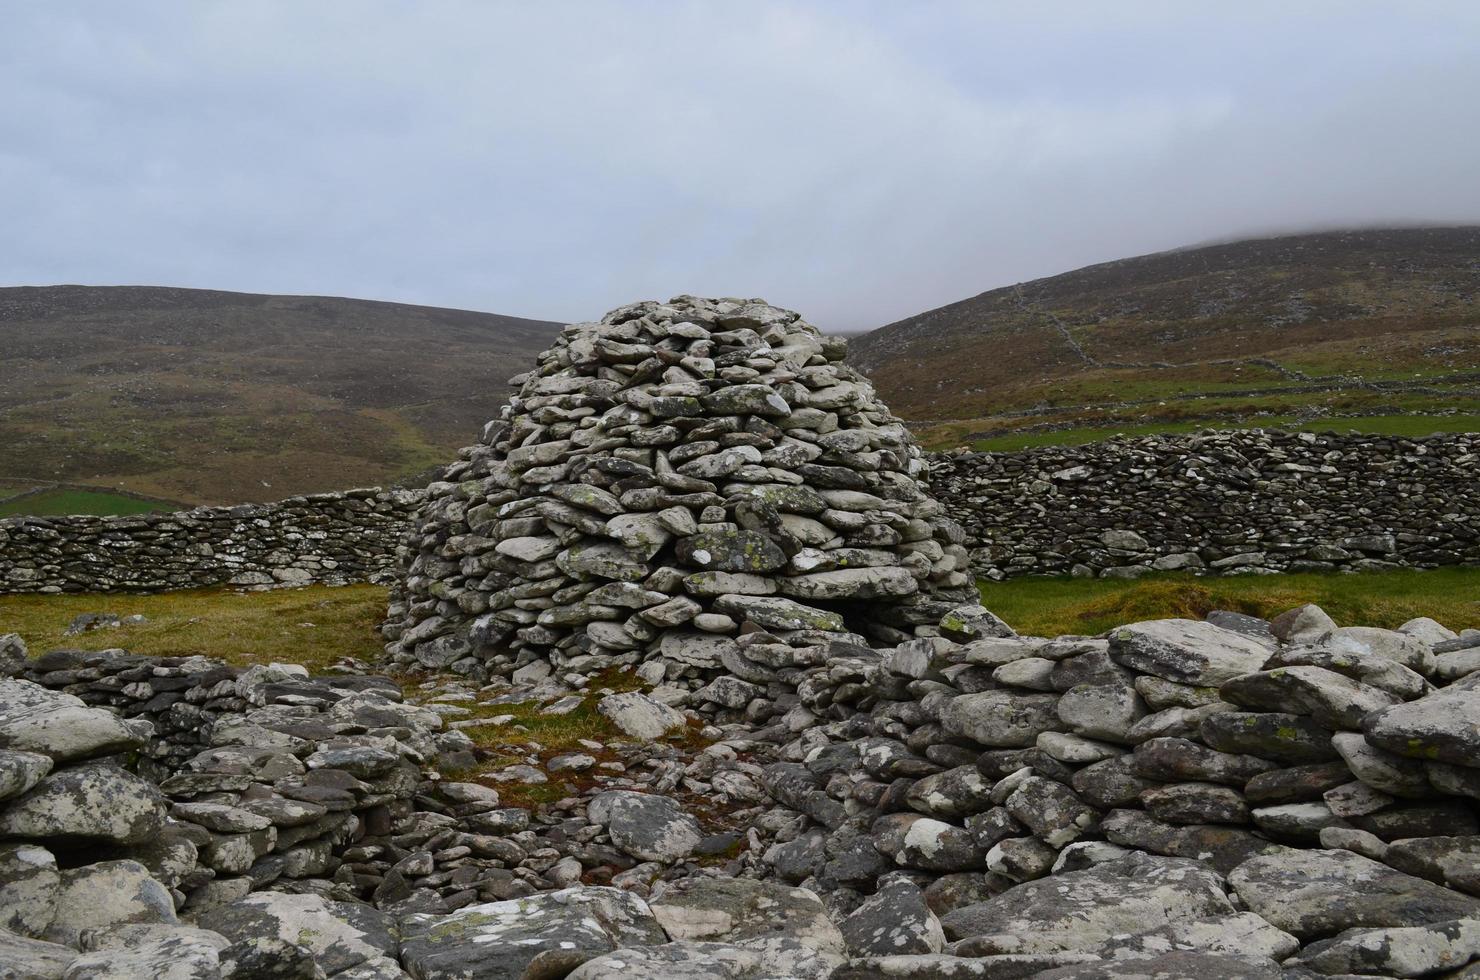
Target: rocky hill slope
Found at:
x=1336, y=323
x=214, y=397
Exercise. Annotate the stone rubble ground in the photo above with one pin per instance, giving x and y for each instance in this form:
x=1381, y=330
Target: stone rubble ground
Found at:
x=787, y=777
x=897, y=812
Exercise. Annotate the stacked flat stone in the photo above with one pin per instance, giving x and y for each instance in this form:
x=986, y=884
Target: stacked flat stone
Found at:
x=331, y=538
x=663, y=480
x=986, y=764
x=1217, y=503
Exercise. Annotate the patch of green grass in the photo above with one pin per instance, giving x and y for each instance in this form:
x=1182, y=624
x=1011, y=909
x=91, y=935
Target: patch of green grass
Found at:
x=1056, y=606
x=312, y=626
x=1399, y=425
x=50, y=503
x=1413, y=426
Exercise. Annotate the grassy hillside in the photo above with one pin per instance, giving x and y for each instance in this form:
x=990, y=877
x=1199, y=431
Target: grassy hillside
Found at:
x=213, y=397
x=1340, y=330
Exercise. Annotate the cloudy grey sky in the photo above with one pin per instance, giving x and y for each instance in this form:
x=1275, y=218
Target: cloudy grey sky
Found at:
x=859, y=161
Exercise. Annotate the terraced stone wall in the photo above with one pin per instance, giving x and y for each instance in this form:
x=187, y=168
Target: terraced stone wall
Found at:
x=331, y=538
x=1246, y=501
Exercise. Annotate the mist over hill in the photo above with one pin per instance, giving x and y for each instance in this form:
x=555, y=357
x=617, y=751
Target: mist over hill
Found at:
x=1335, y=323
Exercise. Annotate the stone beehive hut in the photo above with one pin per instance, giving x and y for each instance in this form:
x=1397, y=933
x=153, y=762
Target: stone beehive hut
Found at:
x=664, y=480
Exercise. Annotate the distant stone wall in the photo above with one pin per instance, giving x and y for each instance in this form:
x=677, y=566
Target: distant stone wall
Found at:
x=331, y=538
x=1247, y=501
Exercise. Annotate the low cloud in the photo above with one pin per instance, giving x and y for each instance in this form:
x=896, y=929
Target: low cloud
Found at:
x=857, y=161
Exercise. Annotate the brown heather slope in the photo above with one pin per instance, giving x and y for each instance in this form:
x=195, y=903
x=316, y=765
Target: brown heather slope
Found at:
x=1339, y=322
x=215, y=397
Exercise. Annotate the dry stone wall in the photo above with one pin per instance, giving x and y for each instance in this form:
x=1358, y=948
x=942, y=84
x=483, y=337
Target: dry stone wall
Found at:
x=1248, y=501
x=331, y=538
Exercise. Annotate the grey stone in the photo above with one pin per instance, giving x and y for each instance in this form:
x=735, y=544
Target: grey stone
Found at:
x=1186, y=651
x=93, y=801
x=340, y=935
x=1443, y=727
x=1405, y=951
x=895, y=920
x=1319, y=893
x=545, y=935
x=105, y=894
x=32, y=959
x=1081, y=911
x=29, y=883
x=712, y=961
x=19, y=771
x=744, y=911
x=1005, y=719
x=646, y=826
x=34, y=719
x=851, y=583
x=639, y=716
x=1331, y=699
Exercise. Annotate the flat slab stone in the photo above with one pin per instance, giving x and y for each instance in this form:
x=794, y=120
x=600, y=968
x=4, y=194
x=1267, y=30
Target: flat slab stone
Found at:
x=545, y=935
x=712, y=961
x=341, y=935
x=1318, y=893
x=106, y=894
x=647, y=826
x=92, y=802
x=34, y=719
x=639, y=716
x=1186, y=651
x=743, y=910
x=1443, y=727
x=1082, y=910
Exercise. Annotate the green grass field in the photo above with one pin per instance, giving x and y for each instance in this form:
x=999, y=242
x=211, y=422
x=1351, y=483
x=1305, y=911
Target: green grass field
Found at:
x=1055, y=606
x=318, y=625
x=313, y=626
x=52, y=503
x=1412, y=426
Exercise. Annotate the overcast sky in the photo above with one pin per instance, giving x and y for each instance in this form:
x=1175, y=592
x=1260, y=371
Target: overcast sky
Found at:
x=857, y=161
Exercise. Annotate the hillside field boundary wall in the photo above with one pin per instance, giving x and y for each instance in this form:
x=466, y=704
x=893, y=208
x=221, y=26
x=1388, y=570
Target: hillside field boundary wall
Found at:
x=1238, y=502
x=328, y=538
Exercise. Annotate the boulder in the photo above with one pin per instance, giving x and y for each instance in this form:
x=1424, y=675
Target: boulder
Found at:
x=1186, y=651
x=646, y=826
x=29, y=883
x=340, y=935
x=1002, y=719
x=1318, y=893
x=19, y=771
x=1080, y=911
x=95, y=801
x=639, y=716
x=895, y=920
x=744, y=911
x=545, y=935
x=106, y=894
x=34, y=719
x=1403, y=951
x=712, y=961
x=1444, y=727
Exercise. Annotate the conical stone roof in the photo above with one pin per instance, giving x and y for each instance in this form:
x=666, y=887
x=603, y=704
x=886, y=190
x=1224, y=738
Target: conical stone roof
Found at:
x=664, y=481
